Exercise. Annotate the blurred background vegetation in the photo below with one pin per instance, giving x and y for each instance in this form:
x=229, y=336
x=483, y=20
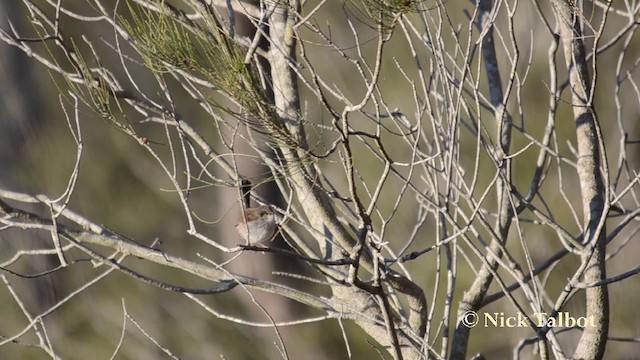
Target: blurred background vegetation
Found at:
x=120, y=188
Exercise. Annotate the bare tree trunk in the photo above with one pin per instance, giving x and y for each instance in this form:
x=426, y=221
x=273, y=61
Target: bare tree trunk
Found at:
x=594, y=338
x=472, y=299
x=318, y=207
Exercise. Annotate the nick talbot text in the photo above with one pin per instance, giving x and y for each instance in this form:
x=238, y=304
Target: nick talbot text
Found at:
x=561, y=319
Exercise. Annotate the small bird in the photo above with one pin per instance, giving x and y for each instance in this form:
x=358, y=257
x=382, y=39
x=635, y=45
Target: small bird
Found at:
x=257, y=225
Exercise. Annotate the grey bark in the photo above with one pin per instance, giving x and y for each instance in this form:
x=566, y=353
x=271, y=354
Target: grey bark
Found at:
x=594, y=338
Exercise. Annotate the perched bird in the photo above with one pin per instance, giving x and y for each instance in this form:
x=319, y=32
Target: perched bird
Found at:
x=257, y=225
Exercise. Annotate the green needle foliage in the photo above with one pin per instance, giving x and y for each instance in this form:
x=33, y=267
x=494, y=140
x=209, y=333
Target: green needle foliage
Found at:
x=384, y=13
x=167, y=43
